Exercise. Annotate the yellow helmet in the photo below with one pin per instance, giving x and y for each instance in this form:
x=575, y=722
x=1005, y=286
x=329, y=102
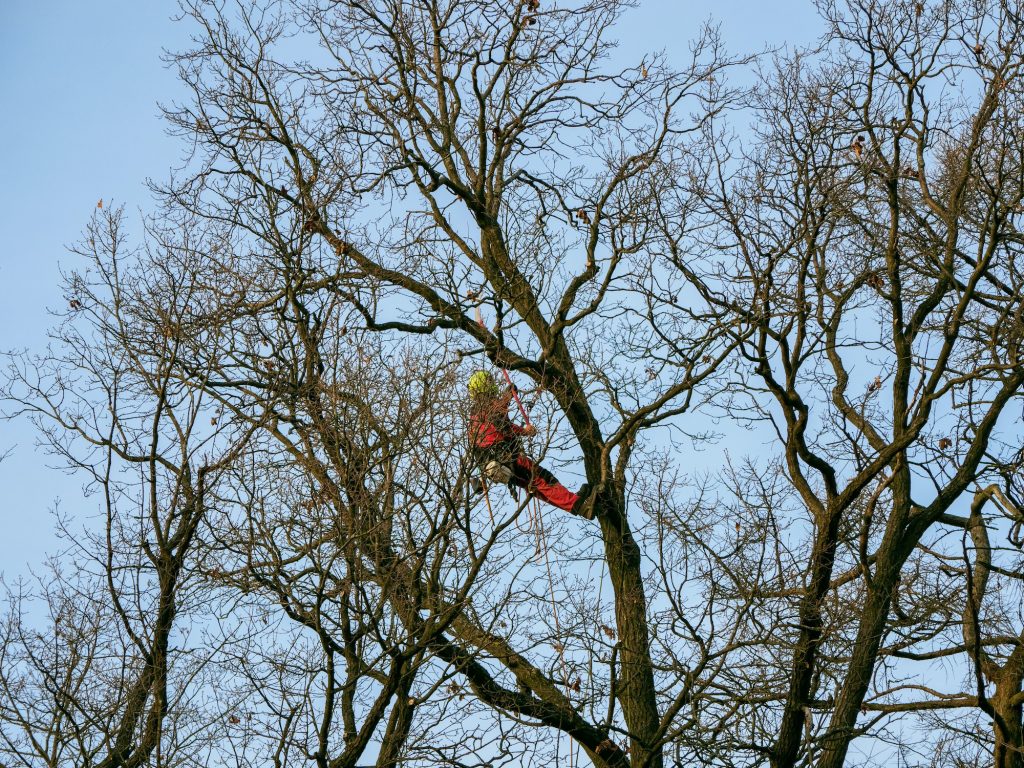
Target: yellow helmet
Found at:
x=482, y=383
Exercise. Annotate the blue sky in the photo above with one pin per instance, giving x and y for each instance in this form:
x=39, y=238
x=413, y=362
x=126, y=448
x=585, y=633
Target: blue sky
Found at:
x=79, y=94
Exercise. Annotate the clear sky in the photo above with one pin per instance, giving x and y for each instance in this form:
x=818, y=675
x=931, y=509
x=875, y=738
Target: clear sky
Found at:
x=80, y=84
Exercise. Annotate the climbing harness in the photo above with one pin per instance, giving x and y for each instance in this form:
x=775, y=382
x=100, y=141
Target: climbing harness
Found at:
x=500, y=473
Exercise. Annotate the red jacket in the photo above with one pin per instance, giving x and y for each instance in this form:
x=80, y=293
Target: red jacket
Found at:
x=489, y=424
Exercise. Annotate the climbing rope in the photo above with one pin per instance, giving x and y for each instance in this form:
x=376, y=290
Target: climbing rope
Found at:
x=487, y=498
x=560, y=646
x=504, y=372
x=515, y=395
x=535, y=524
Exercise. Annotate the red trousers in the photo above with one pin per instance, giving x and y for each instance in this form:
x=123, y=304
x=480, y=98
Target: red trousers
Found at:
x=537, y=481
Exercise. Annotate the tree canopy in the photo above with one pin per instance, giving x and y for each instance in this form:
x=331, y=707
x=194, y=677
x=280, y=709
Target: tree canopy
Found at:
x=265, y=392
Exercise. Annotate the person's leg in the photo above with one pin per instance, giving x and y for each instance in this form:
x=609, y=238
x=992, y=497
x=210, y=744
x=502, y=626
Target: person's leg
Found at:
x=527, y=474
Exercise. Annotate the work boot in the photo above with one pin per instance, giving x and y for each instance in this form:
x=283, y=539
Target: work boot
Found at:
x=476, y=487
x=584, y=504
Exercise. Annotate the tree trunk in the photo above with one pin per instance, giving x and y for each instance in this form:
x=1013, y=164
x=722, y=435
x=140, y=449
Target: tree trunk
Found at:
x=1009, y=734
x=787, y=746
x=841, y=732
x=635, y=686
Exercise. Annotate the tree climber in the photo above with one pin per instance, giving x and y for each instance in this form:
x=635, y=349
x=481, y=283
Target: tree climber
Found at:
x=498, y=447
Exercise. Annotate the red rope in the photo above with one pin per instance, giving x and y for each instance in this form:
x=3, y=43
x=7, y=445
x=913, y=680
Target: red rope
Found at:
x=515, y=394
x=522, y=410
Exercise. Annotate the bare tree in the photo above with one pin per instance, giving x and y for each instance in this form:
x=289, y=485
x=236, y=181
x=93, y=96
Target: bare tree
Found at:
x=878, y=256
x=523, y=172
x=383, y=195
x=90, y=673
x=234, y=603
